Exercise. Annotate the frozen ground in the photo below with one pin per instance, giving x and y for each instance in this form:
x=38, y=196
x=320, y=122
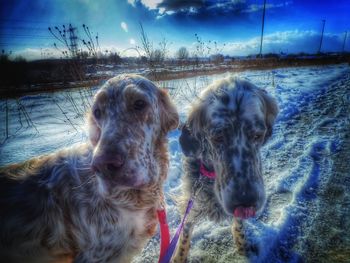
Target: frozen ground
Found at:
x=306, y=163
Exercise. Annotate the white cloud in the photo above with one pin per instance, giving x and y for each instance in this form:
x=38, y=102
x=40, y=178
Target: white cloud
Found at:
x=291, y=41
x=256, y=7
x=36, y=53
x=169, y=5
x=132, y=2
x=124, y=26
x=49, y=53
x=151, y=4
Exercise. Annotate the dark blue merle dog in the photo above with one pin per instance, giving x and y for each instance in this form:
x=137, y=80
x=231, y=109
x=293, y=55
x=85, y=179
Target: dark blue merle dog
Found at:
x=226, y=127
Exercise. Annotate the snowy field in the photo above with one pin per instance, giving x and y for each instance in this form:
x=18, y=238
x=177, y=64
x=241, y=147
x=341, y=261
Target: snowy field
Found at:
x=306, y=163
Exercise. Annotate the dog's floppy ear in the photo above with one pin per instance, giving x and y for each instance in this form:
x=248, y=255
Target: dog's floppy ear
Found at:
x=93, y=130
x=271, y=111
x=168, y=116
x=189, y=144
x=191, y=134
x=168, y=113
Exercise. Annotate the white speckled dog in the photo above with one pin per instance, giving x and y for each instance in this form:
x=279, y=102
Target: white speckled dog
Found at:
x=95, y=202
x=226, y=127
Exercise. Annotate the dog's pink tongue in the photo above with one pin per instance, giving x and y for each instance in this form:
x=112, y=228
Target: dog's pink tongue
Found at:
x=244, y=212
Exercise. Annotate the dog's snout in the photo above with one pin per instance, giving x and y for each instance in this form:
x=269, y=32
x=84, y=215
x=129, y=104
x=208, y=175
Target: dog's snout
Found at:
x=246, y=197
x=107, y=161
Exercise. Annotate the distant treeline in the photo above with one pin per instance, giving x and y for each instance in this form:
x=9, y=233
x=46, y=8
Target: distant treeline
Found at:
x=20, y=76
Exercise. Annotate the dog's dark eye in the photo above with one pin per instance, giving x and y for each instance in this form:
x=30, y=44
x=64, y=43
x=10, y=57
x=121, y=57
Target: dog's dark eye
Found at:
x=97, y=113
x=139, y=105
x=218, y=137
x=257, y=137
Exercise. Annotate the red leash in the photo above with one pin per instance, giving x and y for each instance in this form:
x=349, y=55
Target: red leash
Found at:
x=170, y=249
x=166, y=248
x=164, y=233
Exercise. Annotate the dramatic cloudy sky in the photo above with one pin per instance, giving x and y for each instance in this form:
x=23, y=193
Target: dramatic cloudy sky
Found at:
x=290, y=26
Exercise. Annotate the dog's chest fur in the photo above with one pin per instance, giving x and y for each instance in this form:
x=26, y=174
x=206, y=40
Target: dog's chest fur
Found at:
x=112, y=223
x=103, y=229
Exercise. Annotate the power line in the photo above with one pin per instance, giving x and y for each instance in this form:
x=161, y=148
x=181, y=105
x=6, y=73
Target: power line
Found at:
x=14, y=44
x=9, y=20
x=22, y=28
x=26, y=36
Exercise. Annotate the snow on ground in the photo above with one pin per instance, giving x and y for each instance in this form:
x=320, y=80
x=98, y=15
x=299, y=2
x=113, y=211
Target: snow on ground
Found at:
x=306, y=162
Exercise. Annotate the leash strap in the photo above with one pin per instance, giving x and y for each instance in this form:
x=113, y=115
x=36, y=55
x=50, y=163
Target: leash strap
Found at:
x=164, y=233
x=167, y=250
x=171, y=249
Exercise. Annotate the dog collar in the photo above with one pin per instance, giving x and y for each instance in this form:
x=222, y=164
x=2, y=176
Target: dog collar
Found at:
x=204, y=171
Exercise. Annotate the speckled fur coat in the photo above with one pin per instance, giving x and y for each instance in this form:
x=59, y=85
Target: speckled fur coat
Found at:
x=56, y=208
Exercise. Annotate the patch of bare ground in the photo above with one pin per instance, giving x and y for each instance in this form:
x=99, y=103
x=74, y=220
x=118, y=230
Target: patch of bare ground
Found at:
x=328, y=239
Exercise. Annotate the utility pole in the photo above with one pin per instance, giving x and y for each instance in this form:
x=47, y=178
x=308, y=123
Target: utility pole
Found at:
x=346, y=34
x=73, y=41
x=319, y=49
x=262, y=30
x=7, y=119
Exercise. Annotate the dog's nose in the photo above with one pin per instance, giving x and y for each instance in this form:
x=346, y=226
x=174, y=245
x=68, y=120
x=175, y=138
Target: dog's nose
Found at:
x=111, y=163
x=246, y=196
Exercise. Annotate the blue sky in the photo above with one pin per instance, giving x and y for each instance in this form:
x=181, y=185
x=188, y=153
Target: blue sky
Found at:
x=291, y=25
